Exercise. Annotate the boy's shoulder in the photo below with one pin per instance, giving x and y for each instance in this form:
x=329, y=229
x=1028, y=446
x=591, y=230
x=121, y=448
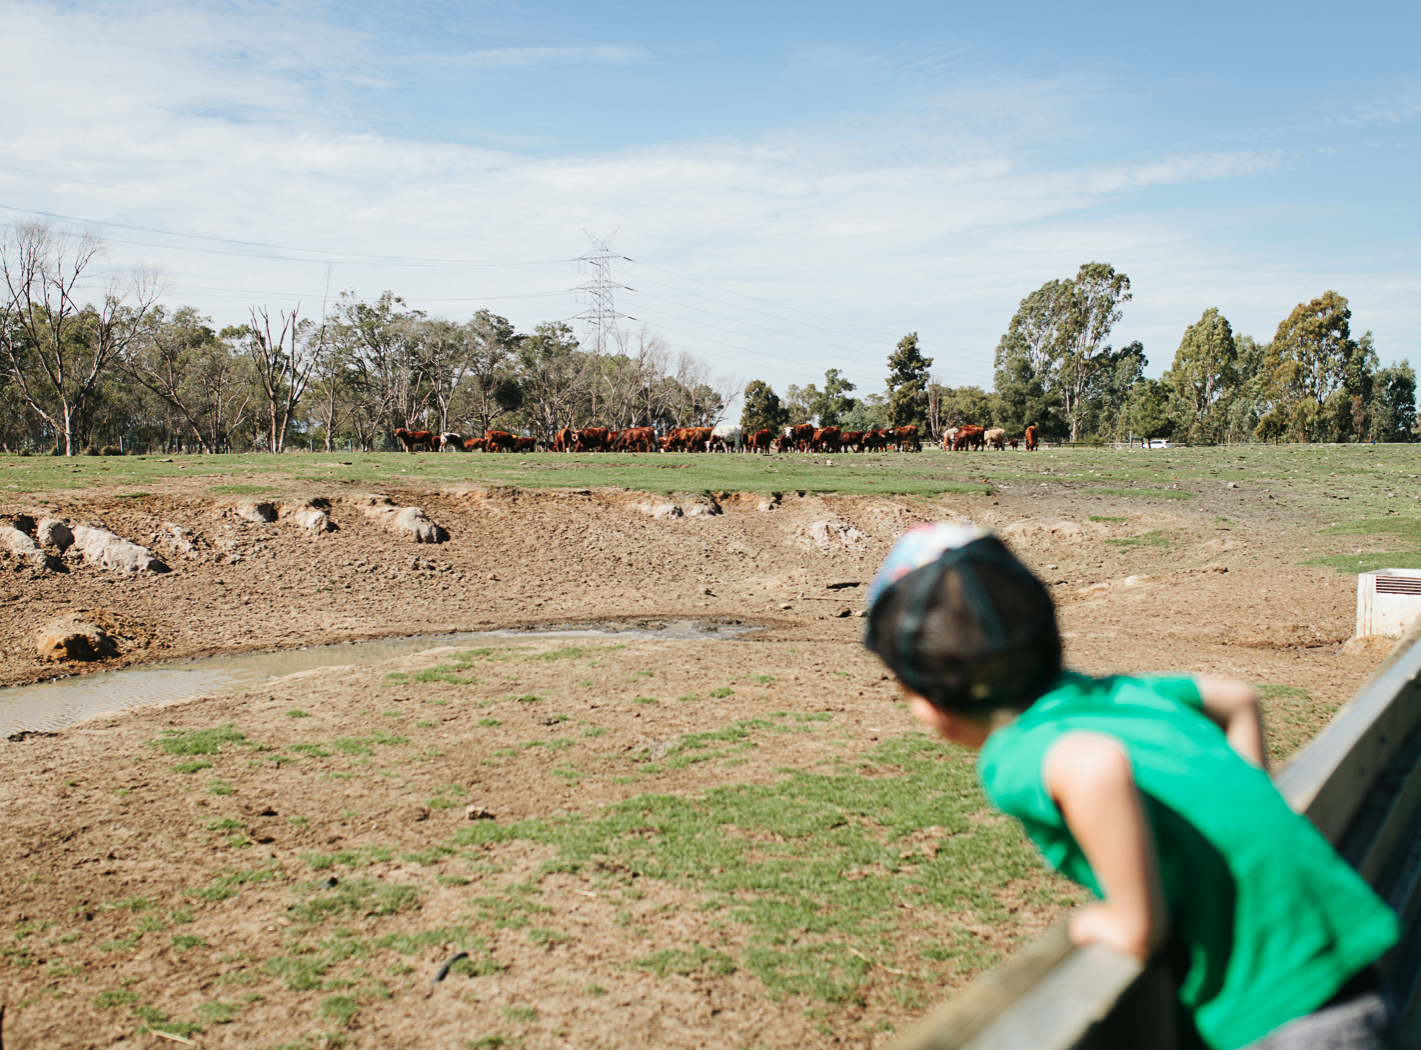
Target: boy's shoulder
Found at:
x=1073, y=693
x=1148, y=711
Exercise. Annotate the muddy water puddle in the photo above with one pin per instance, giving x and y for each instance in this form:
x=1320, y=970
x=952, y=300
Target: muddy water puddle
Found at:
x=47, y=706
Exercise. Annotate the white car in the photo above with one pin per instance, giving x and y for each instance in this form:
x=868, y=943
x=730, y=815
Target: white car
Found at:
x=1157, y=443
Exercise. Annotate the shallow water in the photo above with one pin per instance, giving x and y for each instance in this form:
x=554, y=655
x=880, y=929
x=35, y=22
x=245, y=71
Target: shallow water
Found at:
x=48, y=706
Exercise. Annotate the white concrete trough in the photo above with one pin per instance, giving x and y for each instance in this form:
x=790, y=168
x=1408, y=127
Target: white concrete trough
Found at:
x=1388, y=601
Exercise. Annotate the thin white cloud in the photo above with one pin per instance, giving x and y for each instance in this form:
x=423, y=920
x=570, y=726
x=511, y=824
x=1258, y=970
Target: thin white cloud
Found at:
x=938, y=221
x=594, y=54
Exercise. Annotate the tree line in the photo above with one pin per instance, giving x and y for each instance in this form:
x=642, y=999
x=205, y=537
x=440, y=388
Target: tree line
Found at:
x=1055, y=368
x=116, y=368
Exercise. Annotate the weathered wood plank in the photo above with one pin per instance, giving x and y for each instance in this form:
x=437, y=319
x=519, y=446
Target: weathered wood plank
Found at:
x=952, y=1025
x=1329, y=779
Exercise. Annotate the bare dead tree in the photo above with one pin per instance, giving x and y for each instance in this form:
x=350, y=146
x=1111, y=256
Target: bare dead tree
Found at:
x=55, y=350
x=284, y=362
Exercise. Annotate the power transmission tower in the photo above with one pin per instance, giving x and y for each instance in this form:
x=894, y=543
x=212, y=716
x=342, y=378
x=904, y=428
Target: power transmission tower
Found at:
x=599, y=320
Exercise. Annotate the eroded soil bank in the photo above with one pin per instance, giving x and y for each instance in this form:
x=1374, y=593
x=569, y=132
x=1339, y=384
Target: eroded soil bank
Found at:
x=684, y=843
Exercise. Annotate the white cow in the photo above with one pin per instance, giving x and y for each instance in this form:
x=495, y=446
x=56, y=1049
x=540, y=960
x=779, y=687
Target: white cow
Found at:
x=729, y=434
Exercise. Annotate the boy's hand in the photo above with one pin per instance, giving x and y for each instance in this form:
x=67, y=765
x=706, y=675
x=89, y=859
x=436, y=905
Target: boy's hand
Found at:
x=1090, y=780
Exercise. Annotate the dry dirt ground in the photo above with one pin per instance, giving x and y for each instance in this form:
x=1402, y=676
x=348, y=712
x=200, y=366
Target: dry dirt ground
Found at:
x=736, y=843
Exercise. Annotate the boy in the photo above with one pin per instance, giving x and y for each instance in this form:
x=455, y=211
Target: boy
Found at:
x=1151, y=792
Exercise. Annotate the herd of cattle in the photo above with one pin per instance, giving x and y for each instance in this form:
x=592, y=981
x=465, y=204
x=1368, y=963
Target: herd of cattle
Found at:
x=802, y=438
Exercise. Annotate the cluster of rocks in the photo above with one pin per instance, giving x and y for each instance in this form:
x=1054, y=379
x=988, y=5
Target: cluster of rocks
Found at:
x=46, y=543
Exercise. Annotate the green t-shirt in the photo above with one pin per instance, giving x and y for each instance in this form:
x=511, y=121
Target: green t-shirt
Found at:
x=1268, y=921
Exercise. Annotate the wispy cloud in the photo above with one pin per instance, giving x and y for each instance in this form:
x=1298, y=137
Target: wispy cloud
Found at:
x=590, y=55
x=937, y=219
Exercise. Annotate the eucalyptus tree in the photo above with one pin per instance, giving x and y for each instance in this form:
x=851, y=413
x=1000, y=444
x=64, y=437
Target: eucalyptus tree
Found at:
x=907, y=382
x=185, y=364
x=1205, y=370
x=284, y=359
x=55, y=350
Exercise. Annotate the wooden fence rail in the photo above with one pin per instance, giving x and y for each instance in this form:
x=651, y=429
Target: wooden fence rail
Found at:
x=1359, y=782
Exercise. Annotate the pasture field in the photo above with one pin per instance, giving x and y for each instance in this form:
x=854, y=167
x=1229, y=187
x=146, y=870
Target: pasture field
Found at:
x=1362, y=472
x=741, y=843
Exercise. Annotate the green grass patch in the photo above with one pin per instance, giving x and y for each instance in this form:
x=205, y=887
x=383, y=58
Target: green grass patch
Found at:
x=191, y=767
x=1358, y=563
x=183, y=941
x=200, y=741
x=230, y=882
x=1153, y=538
x=241, y=490
x=362, y=898
x=686, y=961
x=1142, y=493
x=1290, y=692
x=810, y=865
x=1106, y=517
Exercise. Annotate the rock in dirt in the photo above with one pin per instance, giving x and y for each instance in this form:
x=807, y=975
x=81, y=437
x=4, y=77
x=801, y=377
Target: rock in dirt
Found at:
x=839, y=585
x=477, y=813
x=73, y=638
x=769, y=503
x=257, y=511
x=403, y=521
x=107, y=551
x=22, y=546
x=827, y=535
x=54, y=532
x=311, y=515
x=661, y=511
x=178, y=538
x=1371, y=645
x=695, y=506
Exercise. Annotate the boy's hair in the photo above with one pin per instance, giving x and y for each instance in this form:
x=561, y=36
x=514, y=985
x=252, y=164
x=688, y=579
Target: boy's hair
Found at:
x=971, y=631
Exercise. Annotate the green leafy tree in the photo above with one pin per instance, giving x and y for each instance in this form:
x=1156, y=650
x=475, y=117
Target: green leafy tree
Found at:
x=1312, y=356
x=832, y=404
x=762, y=410
x=907, y=383
x=1091, y=309
x=1392, y=414
x=1149, y=409
x=1205, y=369
x=1023, y=400
x=1115, y=377
x=869, y=413
x=799, y=403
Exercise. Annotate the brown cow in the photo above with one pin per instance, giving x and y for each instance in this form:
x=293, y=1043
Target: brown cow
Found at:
x=761, y=441
x=474, y=445
x=852, y=439
x=1012, y=442
x=908, y=436
x=637, y=439
x=412, y=438
x=875, y=439
x=564, y=440
x=968, y=437
x=826, y=439
x=1031, y=438
x=498, y=440
x=784, y=443
x=591, y=439
x=803, y=436
x=525, y=444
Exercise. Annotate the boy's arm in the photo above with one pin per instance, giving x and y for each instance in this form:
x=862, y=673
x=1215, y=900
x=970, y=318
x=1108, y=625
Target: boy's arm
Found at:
x=1233, y=707
x=1089, y=777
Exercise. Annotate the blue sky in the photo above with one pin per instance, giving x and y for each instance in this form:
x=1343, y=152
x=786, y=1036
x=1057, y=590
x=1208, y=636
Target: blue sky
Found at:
x=799, y=184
